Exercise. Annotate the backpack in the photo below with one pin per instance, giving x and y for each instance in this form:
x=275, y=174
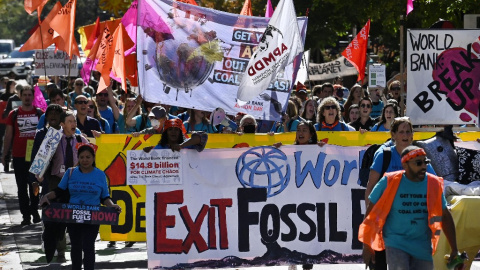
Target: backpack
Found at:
x=367, y=161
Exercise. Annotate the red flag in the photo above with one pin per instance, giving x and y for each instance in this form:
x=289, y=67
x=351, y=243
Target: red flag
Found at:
x=247, y=8
x=43, y=33
x=64, y=25
x=116, y=57
x=356, y=51
x=131, y=69
x=94, y=35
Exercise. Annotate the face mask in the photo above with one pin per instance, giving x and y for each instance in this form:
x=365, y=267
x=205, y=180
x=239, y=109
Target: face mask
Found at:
x=155, y=123
x=249, y=129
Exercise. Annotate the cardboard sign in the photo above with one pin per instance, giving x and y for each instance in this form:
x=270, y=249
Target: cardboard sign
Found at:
x=55, y=63
x=45, y=153
x=75, y=213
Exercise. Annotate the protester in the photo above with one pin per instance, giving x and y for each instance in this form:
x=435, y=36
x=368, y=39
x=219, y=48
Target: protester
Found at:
x=199, y=121
x=17, y=139
x=364, y=122
x=87, y=185
x=352, y=114
x=301, y=92
x=310, y=111
x=338, y=94
x=378, y=101
x=56, y=97
x=248, y=124
x=87, y=125
x=175, y=137
x=406, y=212
x=78, y=89
x=389, y=112
x=401, y=132
x=139, y=122
x=354, y=97
x=110, y=113
x=290, y=119
x=92, y=111
x=128, y=107
x=306, y=134
x=9, y=90
x=157, y=117
x=329, y=117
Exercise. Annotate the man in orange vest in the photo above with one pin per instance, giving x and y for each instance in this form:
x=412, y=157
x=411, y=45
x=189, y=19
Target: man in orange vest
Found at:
x=406, y=213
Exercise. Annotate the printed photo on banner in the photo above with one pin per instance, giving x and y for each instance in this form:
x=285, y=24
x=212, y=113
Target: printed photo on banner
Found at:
x=194, y=57
x=443, y=68
x=158, y=167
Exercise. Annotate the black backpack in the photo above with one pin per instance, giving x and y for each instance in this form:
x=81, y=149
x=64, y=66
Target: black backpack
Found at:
x=368, y=160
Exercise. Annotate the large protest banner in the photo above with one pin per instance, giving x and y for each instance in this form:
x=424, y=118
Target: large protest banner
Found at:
x=443, y=76
x=194, y=57
x=329, y=70
x=112, y=158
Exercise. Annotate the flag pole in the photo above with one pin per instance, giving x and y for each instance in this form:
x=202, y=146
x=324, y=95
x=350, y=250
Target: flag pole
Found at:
x=402, y=64
x=43, y=52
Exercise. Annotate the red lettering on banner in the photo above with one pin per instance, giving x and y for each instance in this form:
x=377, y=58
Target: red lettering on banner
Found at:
x=193, y=228
x=222, y=205
x=212, y=232
x=162, y=244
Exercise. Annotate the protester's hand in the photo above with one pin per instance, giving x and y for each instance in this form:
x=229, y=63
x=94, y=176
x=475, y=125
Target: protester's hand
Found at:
x=362, y=131
x=135, y=134
x=277, y=145
x=148, y=149
x=368, y=254
x=270, y=133
x=175, y=147
x=321, y=143
x=43, y=201
x=239, y=133
x=117, y=207
x=139, y=100
x=96, y=134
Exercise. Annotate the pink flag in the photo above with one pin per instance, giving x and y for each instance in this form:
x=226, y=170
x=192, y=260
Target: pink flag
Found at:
x=39, y=100
x=129, y=20
x=409, y=6
x=269, y=10
x=87, y=69
x=152, y=23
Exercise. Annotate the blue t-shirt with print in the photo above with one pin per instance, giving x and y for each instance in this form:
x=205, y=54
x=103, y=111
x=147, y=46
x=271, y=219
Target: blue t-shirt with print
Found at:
x=406, y=227
x=85, y=188
x=395, y=162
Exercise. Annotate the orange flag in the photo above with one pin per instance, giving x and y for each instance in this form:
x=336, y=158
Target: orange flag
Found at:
x=121, y=43
x=356, y=51
x=43, y=33
x=94, y=35
x=247, y=8
x=104, y=66
x=32, y=5
x=64, y=25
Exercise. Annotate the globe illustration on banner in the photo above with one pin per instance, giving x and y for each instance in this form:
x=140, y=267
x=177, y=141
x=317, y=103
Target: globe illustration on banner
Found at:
x=264, y=167
x=185, y=61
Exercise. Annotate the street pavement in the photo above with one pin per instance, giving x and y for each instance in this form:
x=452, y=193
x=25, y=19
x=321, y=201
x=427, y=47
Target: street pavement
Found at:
x=21, y=246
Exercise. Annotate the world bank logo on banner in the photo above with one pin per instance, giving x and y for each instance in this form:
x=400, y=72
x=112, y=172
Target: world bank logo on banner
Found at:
x=264, y=167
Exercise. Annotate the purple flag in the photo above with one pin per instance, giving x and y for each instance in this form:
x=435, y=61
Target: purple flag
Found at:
x=129, y=20
x=39, y=100
x=87, y=69
x=409, y=6
x=269, y=10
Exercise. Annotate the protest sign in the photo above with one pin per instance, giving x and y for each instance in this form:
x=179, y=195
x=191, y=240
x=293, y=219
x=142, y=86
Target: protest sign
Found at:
x=443, y=68
x=376, y=76
x=157, y=167
x=194, y=57
x=46, y=151
x=75, y=213
x=329, y=70
x=56, y=63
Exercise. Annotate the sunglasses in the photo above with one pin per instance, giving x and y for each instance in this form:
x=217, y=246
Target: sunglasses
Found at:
x=421, y=162
x=81, y=102
x=91, y=106
x=102, y=94
x=330, y=107
x=366, y=106
x=395, y=88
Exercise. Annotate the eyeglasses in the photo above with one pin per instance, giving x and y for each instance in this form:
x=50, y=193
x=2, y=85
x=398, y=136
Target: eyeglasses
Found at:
x=102, y=94
x=91, y=106
x=421, y=162
x=81, y=102
x=366, y=106
x=395, y=88
x=330, y=107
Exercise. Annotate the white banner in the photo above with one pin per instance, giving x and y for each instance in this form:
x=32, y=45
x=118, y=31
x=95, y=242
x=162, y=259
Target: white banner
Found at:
x=258, y=206
x=46, y=151
x=194, y=57
x=57, y=64
x=327, y=71
x=302, y=74
x=443, y=76
x=158, y=167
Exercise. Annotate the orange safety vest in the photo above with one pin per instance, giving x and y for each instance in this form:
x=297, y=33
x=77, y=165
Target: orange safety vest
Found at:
x=370, y=231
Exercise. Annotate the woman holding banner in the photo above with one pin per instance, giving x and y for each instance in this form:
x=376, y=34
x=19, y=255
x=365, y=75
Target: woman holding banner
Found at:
x=87, y=185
